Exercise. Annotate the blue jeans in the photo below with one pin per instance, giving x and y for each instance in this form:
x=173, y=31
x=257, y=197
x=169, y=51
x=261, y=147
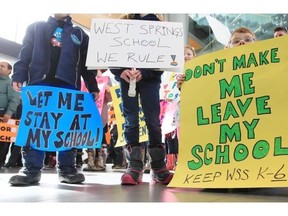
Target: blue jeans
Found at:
x=148, y=91
x=34, y=160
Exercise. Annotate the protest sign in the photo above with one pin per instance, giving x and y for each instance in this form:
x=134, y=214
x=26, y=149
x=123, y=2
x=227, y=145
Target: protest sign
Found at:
x=8, y=131
x=103, y=82
x=169, y=90
x=233, y=118
x=58, y=119
x=135, y=44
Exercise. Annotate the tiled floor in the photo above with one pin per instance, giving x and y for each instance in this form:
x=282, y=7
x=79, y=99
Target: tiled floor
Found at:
x=105, y=187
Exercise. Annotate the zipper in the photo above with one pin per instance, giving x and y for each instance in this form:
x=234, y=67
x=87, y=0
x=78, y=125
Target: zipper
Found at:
x=77, y=66
x=77, y=69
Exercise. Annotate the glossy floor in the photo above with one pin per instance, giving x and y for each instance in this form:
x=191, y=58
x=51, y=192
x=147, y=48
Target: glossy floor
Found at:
x=105, y=187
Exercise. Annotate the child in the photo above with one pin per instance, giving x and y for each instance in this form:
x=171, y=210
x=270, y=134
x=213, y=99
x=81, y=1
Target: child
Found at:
x=239, y=37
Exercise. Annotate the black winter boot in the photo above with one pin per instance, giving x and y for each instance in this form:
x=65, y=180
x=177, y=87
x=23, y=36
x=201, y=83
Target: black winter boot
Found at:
x=30, y=174
x=25, y=179
x=134, y=173
x=67, y=171
x=160, y=173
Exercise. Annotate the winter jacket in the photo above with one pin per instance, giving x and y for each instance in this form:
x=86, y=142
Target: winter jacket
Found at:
x=34, y=58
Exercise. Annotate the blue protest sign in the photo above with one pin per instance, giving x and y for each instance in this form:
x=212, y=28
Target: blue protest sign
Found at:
x=58, y=119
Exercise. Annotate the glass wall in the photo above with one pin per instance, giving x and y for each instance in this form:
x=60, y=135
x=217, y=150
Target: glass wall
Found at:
x=200, y=31
x=263, y=26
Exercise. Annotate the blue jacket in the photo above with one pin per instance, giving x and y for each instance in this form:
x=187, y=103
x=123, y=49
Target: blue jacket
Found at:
x=34, y=58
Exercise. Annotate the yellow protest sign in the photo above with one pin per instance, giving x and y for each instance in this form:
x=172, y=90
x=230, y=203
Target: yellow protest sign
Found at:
x=8, y=131
x=233, y=118
x=120, y=121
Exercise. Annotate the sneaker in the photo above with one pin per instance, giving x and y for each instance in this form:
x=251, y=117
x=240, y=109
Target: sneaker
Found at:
x=100, y=167
x=23, y=179
x=162, y=176
x=71, y=178
x=132, y=177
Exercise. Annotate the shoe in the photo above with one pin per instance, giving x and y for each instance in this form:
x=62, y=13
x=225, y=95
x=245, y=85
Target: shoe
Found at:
x=162, y=176
x=132, y=177
x=23, y=179
x=94, y=168
x=100, y=168
x=71, y=178
x=118, y=167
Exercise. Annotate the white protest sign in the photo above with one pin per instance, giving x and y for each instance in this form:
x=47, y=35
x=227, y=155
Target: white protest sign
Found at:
x=136, y=44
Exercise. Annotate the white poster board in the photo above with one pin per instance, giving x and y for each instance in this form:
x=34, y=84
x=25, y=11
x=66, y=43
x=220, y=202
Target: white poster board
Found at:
x=136, y=44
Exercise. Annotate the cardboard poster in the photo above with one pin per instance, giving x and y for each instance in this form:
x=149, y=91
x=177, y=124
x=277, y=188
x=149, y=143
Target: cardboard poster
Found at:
x=233, y=118
x=58, y=119
x=169, y=90
x=8, y=131
x=135, y=44
x=102, y=82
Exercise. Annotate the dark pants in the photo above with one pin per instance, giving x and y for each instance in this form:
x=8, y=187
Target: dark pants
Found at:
x=115, y=153
x=171, y=142
x=4, y=146
x=15, y=156
x=149, y=97
x=34, y=160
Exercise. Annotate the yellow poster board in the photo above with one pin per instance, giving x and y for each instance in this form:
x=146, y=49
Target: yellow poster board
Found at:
x=234, y=118
x=120, y=121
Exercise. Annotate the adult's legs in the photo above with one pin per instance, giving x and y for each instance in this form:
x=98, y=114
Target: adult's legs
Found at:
x=4, y=148
x=15, y=157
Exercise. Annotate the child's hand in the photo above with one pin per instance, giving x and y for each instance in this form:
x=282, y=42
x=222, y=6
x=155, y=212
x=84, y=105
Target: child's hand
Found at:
x=180, y=79
x=127, y=75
